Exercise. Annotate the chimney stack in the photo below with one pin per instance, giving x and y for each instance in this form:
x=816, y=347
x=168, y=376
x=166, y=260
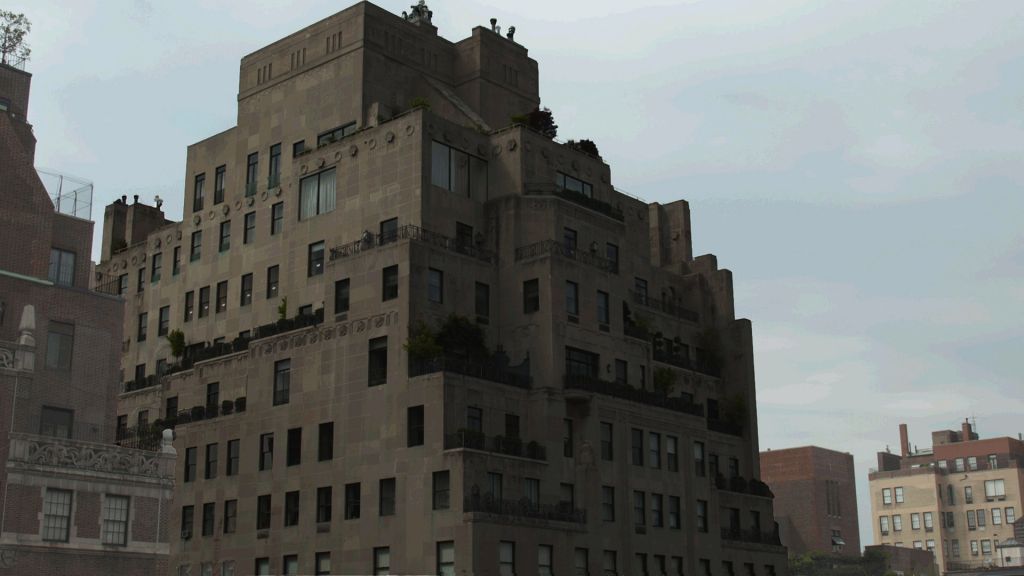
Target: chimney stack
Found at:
x=965, y=430
x=904, y=441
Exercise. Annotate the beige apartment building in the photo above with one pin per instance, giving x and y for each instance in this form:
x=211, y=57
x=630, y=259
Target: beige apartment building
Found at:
x=421, y=337
x=959, y=499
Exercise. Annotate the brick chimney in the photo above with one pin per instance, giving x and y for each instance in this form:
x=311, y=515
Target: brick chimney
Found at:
x=904, y=441
x=965, y=430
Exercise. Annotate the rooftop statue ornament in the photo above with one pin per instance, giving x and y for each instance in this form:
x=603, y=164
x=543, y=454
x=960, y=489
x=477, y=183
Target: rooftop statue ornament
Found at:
x=511, y=33
x=420, y=13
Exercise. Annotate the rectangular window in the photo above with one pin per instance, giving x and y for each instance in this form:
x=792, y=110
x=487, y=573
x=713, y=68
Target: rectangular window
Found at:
x=567, y=439
x=639, y=508
x=222, y=296
x=323, y=504
x=1011, y=515
x=325, y=442
x=189, y=306
x=698, y=458
x=389, y=283
x=274, y=175
x=251, y=173
x=928, y=522
x=609, y=563
x=276, y=218
x=187, y=520
x=531, y=491
x=883, y=525
x=567, y=496
x=294, y=453
x=262, y=567
x=230, y=516
x=886, y=495
x=386, y=503
x=495, y=486
x=282, y=381
x=657, y=518
x=915, y=521
x=176, y=264
x=414, y=426
x=570, y=184
x=211, y=462
x=672, y=453
x=250, y=228
x=156, y=266
x=899, y=494
x=115, y=520
x=702, y=515
x=442, y=491
x=607, y=441
x=335, y=134
x=972, y=523
x=245, y=297
x=674, y=512
x=315, y=265
x=603, y=311
x=164, y=323
x=569, y=238
x=974, y=547
x=141, y=281
x=317, y=194
x=291, y=508
x=218, y=184
x=958, y=465
x=572, y=298
x=997, y=516
x=435, y=285
x=377, y=365
x=60, y=341
x=198, y=192
x=62, y=267
x=263, y=512
x=352, y=501
x=143, y=320
x=191, y=457
x=611, y=253
x=581, y=564
x=544, y=560
x=968, y=495
x=654, y=449
x=994, y=489
x=341, y=295
x=298, y=148
x=986, y=547
x=388, y=231
x=225, y=236
x=122, y=282
x=234, y=452
x=531, y=296
x=458, y=172
x=196, y=249
x=993, y=462
x=637, y=446
x=208, y=518
x=266, y=451
x=272, y=281
x=897, y=523
x=981, y=518
x=506, y=558
x=446, y=558
x=972, y=463
x=382, y=560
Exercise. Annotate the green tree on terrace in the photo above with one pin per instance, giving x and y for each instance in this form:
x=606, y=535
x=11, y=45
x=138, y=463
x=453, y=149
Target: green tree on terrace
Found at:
x=13, y=28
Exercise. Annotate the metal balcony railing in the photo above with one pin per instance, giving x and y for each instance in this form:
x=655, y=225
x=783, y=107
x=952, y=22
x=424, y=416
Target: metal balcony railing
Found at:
x=370, y=240
x=664, y=306
x=486, y=369
x=489, y=504
x=506, y=445
x=627, y=392
x=546, y=247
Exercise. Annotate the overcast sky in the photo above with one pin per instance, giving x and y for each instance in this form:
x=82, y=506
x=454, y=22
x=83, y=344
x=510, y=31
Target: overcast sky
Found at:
x=857, y=165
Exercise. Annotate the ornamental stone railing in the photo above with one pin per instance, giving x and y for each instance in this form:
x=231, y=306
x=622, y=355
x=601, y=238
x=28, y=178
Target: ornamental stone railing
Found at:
x=90, y=457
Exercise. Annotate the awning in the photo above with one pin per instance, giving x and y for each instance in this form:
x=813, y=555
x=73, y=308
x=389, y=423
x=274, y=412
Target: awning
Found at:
x=838, y=541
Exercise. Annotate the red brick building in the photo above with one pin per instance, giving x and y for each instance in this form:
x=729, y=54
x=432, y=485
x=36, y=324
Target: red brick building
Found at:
x=71, y=500
x=815, y=499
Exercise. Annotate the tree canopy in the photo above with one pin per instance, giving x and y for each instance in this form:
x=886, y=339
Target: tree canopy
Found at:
x=13, y=29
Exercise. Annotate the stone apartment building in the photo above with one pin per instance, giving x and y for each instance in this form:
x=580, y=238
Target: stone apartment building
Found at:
x=815, y=499
x=959, y=499
x=71, y=502
x=421, y=338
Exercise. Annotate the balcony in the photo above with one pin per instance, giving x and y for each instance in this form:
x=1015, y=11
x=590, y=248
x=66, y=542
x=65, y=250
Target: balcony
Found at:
x=664, y=306
x=752, y=536
x=493, y=369
x=627, y=392
x=741, y=485
x=522, y=509
x=547, y=247
x=75, y=456
x=594, y=204
x=370, y=240
x=208, y=412
x=141, y=383
x=141, y=437
x=506, y=445
x=660, y=354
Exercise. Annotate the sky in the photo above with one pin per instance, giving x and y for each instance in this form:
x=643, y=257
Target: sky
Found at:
x=857, y=165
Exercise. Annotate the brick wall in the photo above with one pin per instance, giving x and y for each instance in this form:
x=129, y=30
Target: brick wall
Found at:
x=63, y=562
x=24, y=505
x=87, y=514
x=146, y=514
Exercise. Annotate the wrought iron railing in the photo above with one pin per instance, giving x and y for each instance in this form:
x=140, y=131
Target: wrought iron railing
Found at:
x=665, y=306
x=578, y=198
x=370, y=240
x=488, y=504
x=685, y=362
x=741, y=485
x=752, y=536
x=507, y=445
x=140, y=437
x=141, y=383
x=546, y=247
x=627, y=392
x=485, y=370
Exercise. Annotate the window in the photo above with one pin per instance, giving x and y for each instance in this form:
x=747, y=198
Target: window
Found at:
x=382, y=560
x=672, y=453
x=955, y=544
x=389, y=283
x=968, y=495
x=993, y=461
x=566, y=496
x=414, y=426
x=122, y=283
x=198, y=192
x=211, y=462
x=897, y=523
x=886, y=495
x=566, y=182
x=196, y=248
x=1011, y=515
x=677, y=567
x=272, y=281
x=544, y=554
x=276, y=218
x=581, y=562
x=997, y=516
x=442, y=495
x=482, y=302
x=972, y=522
x=972, y=463
x=225, y=236
x=702, y=515
x=282, y=381
x=698, y=458
x=608, y=503
x=171, y=408
x=352, y=501
x=298, y=148
x=164, y=321
x=986, y=547
x=176, y=264
x=317, y=194
x=323, y=563
x=290, y=564
x=572, y=302
x=294, y=453
x=580, y=362
x=994, y=489
x=915, y=521
x=928, y=523
x=250, y=228
x=191, y=456
x=143, y=320
x=246, y=290
x=388, y=231
x=639, y=508
x=883, y=525
x=341, y=291
x=187, y=519
x=445, y=559
x=654, y=449
x=230, y=516
x=222, y=296
x=315, y=265
x=323, y=504
x=291, y=508
x=981, y=518
x=607, y=441
x=609, y=563
x=974, y=547
x=512, y=425
x=458, y=172
x=495, y=487
x=611, y=253
x=531, y=296
x=189, y=306
x=377, y=365
x=899, y=494
x=463, y=236
x=156, y=264
x=335, y=134
x=60, y=340
x=115, y=520
x=233, y=454
x=263, y=512
x=386, y=503
x=640, y=287
x=958, y=464
x=641, y=565
x=274, y=175
x=435, y=285
x=218, y=184
x=208, y=518
x=266, y=451
x=673, y=512
x=603, y=315
x=262, y=566
x=325, y=441
x=567, y=440
x=637, y=448
x=917, y=545
x=569, y=237
x=656, y=510
x=251, y=171
x=506, y=558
